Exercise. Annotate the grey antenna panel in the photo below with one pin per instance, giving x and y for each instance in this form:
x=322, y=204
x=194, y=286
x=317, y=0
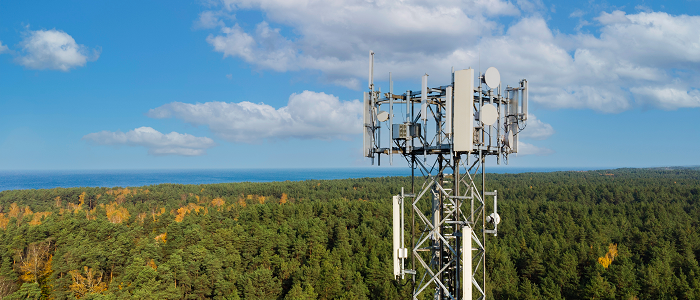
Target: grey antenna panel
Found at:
x=463, y=111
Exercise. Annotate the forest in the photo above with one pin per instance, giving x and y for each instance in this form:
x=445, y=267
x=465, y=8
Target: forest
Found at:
x=609, y=234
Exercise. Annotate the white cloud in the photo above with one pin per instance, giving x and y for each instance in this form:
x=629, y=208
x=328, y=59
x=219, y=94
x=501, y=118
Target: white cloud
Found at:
x=577, y=13
x=157, y=143
x=530, y=149
x=53, y=49
x=410, y=38
x=667, y=97
x=211, y=19
x=307, y=115
x=3, y=48
x=536, y=129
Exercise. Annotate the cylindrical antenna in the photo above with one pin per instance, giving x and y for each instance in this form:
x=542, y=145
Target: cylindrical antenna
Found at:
x=371, y=69
x=391, y=85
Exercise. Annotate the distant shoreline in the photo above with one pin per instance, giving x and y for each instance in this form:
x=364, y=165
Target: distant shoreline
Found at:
x=37, y=179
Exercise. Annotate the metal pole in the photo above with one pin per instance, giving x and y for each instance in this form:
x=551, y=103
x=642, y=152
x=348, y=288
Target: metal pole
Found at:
x=456, y=192
x=483, y=219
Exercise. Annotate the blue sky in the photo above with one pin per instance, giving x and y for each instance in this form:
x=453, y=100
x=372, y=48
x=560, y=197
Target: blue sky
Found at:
x=276, y=83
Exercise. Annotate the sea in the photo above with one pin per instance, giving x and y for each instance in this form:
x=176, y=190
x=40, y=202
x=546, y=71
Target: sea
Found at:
x=25, y=179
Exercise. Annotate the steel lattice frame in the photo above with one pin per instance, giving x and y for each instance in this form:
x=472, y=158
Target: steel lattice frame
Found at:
x=436, y=249
x=440, y=209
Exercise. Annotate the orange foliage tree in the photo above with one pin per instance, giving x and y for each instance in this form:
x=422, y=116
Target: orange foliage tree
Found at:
x=14, y=210
x=35, y=262
x=88, y=284
x=4, y=220
x=116, y=214
x=609, y=256
x=162, y=237
x=283, y=199
x=37, y=217
x=182, y=211
x=218, y=202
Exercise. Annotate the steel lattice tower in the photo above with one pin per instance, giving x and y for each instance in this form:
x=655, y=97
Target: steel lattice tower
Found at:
x=449, y=211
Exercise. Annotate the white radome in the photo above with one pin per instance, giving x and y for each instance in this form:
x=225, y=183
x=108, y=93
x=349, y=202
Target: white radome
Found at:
x=488, y=114
x=492, y=77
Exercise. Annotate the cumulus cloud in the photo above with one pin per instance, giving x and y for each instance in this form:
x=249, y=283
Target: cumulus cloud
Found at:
x=530, y=149
x=536, y=129
x=3, y=48
x=308, y=115
x=667, y=97
x=410, y=38
x=53, y=49
x=157, y=143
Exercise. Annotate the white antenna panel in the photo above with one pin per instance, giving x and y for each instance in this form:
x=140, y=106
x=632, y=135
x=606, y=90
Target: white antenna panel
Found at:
x=463, y=111
x=396, y=209
x=467, y=275
x=524, y=85
x=448, y=111
x=492, y=77
x=367, y=133
x=424, y=98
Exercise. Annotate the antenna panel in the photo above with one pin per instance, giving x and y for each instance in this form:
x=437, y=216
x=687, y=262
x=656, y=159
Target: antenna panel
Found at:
x=463, y=111
x=467, y=263
x=424, y=98
x=448, y=111
x=396, y=208
x=367, y=132
x=523, y=83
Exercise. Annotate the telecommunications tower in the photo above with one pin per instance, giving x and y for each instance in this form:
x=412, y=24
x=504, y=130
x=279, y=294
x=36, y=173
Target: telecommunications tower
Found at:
x=449, y=215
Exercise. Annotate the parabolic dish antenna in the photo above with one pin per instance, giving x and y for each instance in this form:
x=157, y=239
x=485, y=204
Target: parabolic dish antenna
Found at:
x=492, y=77
x=488, y=114
x=382, y=116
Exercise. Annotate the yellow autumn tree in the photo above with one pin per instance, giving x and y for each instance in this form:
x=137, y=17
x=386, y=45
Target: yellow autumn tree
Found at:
x=81, y=198
x=283, y=199
x=156, y=213
x=37, y=217
x=4, y=220
x=35, y=262
x=115, y=213
x=218, y=202
x=182, y=211
x=14, y=210
x=606, y=260
x=162, y=237
x=91, y=283
x=152, y=264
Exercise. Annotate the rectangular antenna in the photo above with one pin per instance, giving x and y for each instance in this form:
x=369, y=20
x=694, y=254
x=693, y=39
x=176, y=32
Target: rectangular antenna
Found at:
x=367, y=139
x=463, y=111
x=424, y=99
x=396, y=234
x=467, y=263
x=524, y=84
x=448, y=111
